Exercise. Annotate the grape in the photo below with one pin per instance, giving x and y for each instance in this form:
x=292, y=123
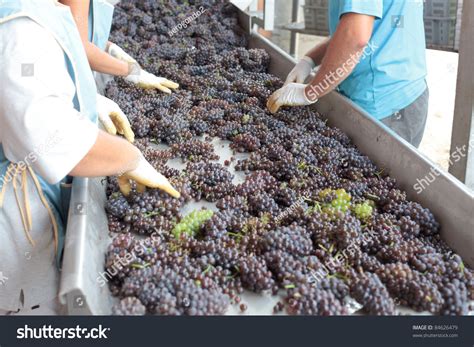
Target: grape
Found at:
x=363, y=211
x=190, y=223
x=369, y=291
x=129, y=306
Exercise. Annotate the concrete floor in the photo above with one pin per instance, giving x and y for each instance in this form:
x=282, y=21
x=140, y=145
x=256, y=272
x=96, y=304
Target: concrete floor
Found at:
x=442, y=75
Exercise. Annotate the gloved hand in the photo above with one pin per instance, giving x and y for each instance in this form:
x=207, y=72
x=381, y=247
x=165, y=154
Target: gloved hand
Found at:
x=292, y=94
x=301, y=71
x=139, y=76
x=113, y=119
x=147, y=80
x=145, y=176
x=117, y=52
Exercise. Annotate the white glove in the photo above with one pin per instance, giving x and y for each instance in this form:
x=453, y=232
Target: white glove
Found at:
x=139, y=76
x=292, y=94
x=117, y=52
x=146, y=176
x=113, y=119
x=147, y=80
x=301, y=71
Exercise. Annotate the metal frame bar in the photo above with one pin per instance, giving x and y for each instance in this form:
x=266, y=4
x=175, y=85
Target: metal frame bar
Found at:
x=263, y=18
x=84, y=251
x=294, y=35
x=462, y=139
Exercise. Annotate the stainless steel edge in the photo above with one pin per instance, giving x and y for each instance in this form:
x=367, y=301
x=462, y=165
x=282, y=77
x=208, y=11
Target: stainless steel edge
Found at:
x=84, y=251
x=450, y=200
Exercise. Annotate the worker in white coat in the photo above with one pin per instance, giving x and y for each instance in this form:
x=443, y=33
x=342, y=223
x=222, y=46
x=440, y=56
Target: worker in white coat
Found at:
x=48, y=130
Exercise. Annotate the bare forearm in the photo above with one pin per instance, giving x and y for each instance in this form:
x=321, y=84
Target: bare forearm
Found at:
x=317, y=53
x=101, y=61
x=110, y=155
x=342, y=54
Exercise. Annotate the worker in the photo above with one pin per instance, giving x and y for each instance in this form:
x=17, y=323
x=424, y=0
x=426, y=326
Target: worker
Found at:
x=376, y=57
x=94, y=20
x=48, y=117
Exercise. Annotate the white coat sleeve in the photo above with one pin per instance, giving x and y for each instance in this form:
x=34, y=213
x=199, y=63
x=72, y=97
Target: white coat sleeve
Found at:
x=38, y=123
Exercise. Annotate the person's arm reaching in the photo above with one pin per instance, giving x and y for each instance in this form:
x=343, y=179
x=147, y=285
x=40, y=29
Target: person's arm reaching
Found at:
x=98, y=59
x=111, y=155
x=341, y=57
x=305, y=66
x=317, y=53
x=113, y=61
x=39, y=125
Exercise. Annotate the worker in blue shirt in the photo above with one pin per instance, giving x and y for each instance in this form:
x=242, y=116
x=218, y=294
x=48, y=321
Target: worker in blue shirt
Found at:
x=376, y=57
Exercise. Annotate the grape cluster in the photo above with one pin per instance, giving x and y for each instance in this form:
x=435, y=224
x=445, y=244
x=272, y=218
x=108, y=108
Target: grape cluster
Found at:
x=254, y=274
x=194, y=151
x=310, y=300
x=175, y=288
x=411, y=288
x=369, y=291
x=209, y=181
x=147, y=212
x=191, y=223
x=293, y=240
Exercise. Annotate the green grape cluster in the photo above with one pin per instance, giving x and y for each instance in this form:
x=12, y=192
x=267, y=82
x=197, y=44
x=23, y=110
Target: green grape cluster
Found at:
x=343, y=200
x=340, y=200
x=363, y=210
x=334, y=202
x=190, y=223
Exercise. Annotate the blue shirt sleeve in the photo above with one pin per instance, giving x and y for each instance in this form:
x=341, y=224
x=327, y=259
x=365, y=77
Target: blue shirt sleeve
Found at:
x=367, y=7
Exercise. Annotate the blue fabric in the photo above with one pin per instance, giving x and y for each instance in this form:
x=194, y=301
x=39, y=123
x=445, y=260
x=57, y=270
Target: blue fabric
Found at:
x=100, y=22
x=391, y=74
x=61, y=24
